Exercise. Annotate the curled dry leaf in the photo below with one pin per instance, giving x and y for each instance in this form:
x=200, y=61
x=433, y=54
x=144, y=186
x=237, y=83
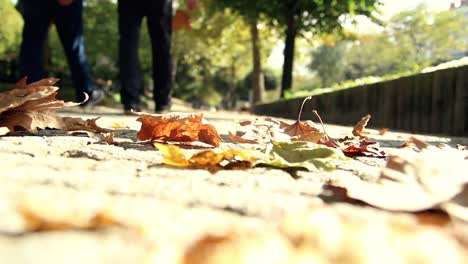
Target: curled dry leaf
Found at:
x=178, y=128
x=358, y=129
x=357, y=146
x=415, y=181
x=209, y=159
x=78, y=124
x=32, y=106
x=31, y=120
x=268, y=129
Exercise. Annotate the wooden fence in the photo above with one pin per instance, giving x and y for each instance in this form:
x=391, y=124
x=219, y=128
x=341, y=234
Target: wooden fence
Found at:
x=432, y=103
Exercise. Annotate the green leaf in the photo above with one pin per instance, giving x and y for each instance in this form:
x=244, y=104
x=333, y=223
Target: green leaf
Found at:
x=306, y=155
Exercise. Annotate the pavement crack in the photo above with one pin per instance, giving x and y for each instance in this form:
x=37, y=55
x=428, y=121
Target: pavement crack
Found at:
x=79, y=154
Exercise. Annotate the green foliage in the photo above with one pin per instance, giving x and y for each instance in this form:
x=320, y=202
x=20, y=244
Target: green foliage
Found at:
x=10, y=29
x=329, y=62
x=412, y=41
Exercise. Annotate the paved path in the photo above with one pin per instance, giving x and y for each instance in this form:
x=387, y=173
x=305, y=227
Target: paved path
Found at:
x=150, y=213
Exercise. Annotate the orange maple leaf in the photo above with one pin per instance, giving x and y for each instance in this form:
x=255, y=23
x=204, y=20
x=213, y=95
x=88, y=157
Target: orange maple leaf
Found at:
x=174, y=127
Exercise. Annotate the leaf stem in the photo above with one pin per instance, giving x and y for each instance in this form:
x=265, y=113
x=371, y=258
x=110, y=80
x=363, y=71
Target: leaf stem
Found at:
x=302, y=107
x=324, y=131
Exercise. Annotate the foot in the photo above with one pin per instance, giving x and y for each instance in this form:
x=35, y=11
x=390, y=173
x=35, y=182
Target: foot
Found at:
x=131, y=109
x=94, y=98
x=162, y=109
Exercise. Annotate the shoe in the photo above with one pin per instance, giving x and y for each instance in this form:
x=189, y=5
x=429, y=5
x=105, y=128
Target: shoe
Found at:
x=131, y=109
x=161, y=109
x=94, y=98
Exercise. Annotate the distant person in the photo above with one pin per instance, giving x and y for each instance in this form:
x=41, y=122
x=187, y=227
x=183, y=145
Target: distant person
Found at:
x=159, y=21
x=67, y=15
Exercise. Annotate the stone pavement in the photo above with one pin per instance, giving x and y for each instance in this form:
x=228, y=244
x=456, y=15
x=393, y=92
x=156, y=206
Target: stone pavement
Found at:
x=154, y=213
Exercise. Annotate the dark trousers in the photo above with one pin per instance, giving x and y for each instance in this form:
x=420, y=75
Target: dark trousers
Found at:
x=159, y=18
x=38, y=15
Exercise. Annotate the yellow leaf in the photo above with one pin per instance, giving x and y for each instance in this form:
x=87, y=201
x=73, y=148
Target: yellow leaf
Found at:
x=172, y=155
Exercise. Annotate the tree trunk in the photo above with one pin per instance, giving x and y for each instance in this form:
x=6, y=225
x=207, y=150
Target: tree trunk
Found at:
x=293, y=11
x=288, y=64
x=257, y=84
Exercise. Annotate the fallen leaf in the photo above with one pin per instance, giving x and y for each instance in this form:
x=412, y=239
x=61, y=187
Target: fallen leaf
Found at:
x=43, y=223
x=31, y=120
x=209, y=159
x=412, y=181
x=457, y=209
x=241, y=247
x=359, y=127
x=383, y=131
x=302, y=154
x=108, y=138
x=118, y=125
x=357, y=146
x=78, y=124
x=461, y=147
x=259, y=131
x=32, y=106
x=345, y=234
x=265, y=130
x=178, y=128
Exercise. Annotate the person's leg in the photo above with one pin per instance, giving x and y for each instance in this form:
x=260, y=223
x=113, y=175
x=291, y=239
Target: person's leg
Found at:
x=69, y=24
x=37, y=15
x=160, y=29
x=129, y=65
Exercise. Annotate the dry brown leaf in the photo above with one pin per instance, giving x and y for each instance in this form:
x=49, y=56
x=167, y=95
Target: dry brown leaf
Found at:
x=412, y=181
x=356, y=146
x=43, y=223
x=268, y=129
x=177, y=128
x=32, y=106
x=16, y=97
x=108, y=138
x=383, y=131
x=78, y=124
x=31, y=120
x=358, y=129
x=239, y=248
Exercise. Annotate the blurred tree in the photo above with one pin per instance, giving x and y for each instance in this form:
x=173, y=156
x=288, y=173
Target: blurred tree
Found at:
x=298, y=16
x=10, y=30
x=329, y=62
x=251, y=11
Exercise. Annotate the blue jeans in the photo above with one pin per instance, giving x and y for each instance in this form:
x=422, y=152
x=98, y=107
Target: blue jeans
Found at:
x=38, y=15
x=159, y=18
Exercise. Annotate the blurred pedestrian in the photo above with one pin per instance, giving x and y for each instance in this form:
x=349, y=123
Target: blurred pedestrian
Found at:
x=67, y=15
x=159, y=22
